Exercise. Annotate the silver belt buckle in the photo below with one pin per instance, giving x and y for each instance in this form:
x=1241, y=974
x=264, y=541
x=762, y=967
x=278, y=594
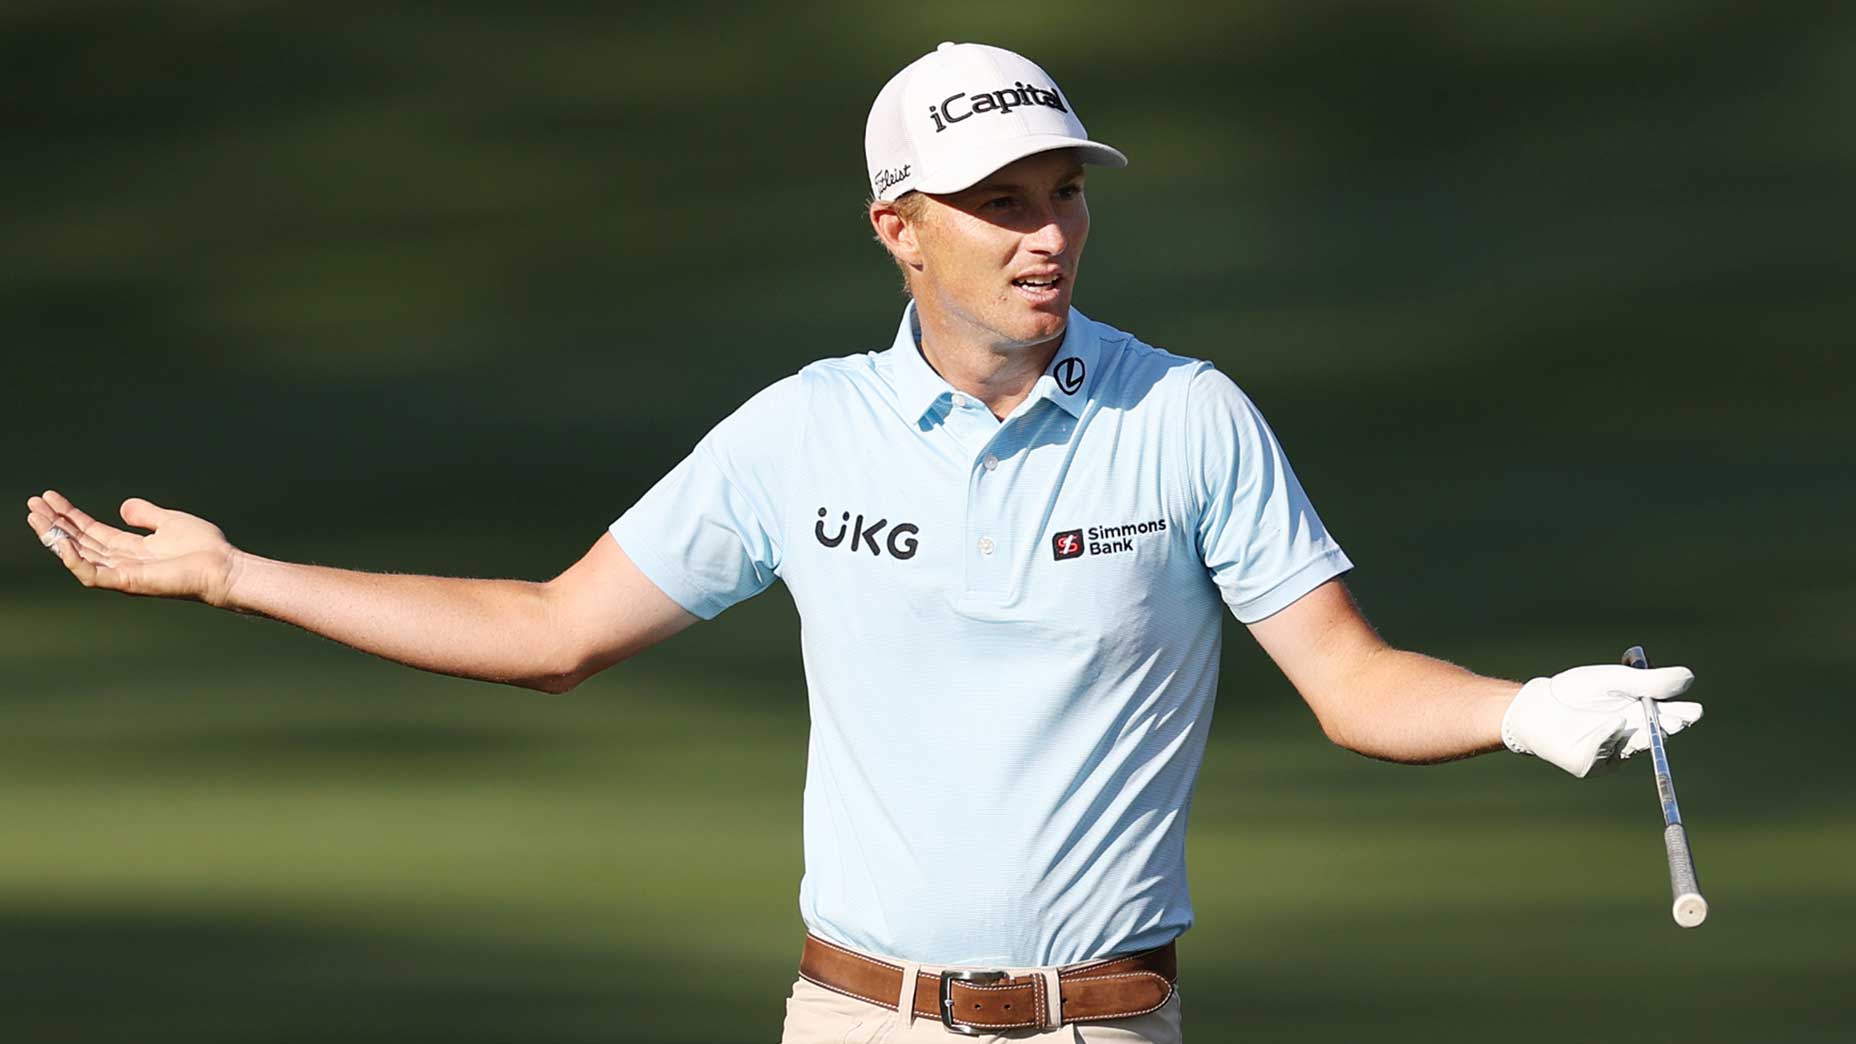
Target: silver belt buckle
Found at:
x=948, y=978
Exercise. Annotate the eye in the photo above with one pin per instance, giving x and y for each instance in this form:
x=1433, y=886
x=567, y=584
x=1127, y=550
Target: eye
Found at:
x=1000, y=203
x=1069, y=192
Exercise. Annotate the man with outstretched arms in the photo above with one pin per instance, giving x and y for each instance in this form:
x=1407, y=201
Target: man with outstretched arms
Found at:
x=1011, y=537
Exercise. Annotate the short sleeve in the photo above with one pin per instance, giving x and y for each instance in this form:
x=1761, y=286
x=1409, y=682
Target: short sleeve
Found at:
x=709, y=533
x=1258, y=535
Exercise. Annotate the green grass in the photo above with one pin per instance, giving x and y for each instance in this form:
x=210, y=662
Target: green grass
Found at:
x=229, y=832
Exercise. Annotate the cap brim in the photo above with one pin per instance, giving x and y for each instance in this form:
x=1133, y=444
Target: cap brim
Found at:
x=982, y=162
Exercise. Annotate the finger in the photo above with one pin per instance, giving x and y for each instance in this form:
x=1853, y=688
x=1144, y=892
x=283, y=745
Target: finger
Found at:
x=62, y=504
x=103, y=532
x=1673, y=717
x=53, y=531
x=66, y=550
x=36, y=507
x=1604, y=766
x=1660, y=683
x=145, y=515
x=1677, y=716
x=92, y=571
x=48, y=522
x=91, y=567
x=91, y=549
x=85, y=541
x=1592, y=748
x=1612, y=750
x=42, y=528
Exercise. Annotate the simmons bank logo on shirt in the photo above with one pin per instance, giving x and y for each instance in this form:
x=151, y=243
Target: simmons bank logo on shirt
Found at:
x=1101, y=540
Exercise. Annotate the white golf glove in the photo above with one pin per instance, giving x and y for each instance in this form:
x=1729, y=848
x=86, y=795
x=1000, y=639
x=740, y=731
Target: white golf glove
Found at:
x=1590, y=717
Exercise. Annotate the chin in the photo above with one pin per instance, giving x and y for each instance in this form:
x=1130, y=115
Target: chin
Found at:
x=1043, y=324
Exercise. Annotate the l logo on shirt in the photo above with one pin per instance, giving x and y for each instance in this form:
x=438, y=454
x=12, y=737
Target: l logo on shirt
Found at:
x=1069, y=374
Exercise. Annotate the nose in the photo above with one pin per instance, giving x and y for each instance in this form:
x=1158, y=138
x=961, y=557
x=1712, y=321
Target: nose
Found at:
x=1048, y=238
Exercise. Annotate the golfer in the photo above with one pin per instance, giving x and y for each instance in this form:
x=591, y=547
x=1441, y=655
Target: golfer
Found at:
x=1011, y=537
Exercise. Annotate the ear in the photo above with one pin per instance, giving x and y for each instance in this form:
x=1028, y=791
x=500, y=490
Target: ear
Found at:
x=898, y=234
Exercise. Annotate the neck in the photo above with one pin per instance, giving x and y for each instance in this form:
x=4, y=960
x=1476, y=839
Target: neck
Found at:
x=998, y=373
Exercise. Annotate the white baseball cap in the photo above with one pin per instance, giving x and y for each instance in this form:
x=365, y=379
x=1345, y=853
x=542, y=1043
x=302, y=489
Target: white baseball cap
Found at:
x=962, y=111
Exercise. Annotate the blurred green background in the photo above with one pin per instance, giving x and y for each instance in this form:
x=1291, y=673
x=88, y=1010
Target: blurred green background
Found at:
x=1551, y=305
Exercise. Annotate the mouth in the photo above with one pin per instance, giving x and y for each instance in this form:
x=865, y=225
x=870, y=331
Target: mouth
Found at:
x=1041, y=288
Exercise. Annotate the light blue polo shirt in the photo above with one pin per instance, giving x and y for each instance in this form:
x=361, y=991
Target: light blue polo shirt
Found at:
x=1011, y=629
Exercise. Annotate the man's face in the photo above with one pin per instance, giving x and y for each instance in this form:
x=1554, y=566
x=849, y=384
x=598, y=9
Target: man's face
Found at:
x=998, y=260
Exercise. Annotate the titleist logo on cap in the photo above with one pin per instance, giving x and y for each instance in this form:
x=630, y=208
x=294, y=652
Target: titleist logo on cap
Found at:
x=962, y=106
x=887, y=179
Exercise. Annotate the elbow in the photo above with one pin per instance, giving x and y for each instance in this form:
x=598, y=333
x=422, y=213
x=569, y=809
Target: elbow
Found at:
x=1362, y=738
x=1338, y=733
x=1348, y=732
x=1354, y=743
x=1331, y=715
x=559, y=676
x=555, y=684
x=565, y=672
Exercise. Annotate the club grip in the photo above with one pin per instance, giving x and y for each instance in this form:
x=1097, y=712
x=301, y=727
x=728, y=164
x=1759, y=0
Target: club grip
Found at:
x=1690, y=908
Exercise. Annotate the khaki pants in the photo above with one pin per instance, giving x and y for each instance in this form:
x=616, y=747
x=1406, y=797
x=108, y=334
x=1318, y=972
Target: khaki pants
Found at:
x=816, y=1015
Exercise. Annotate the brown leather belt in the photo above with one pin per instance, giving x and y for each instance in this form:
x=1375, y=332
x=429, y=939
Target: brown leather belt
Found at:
x=968, y=1001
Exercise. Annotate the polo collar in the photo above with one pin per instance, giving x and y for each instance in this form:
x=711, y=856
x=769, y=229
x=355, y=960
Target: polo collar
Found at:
x=1066, y=381
x=918, y=387
x=1072, y=371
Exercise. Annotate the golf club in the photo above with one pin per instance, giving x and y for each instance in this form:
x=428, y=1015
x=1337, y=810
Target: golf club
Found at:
x=1690, y=908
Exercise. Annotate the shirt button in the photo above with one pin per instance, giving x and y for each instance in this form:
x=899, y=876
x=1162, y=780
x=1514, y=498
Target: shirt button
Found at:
x=991, y=462
x=960, y=401
x=986, y=545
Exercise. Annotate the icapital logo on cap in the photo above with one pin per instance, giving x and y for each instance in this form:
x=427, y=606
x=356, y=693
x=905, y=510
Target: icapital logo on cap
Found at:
x=1001, y=101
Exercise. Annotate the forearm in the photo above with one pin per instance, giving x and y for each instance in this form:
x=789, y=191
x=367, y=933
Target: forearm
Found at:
x=1401, y=706
x=1404, y=706
x=494, y=630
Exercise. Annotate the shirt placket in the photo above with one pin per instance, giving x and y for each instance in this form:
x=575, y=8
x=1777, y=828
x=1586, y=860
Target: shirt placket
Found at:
x=990, y=544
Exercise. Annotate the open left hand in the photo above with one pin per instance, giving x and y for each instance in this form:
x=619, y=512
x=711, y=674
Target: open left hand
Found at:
x=1592, y=717
x=183, y=557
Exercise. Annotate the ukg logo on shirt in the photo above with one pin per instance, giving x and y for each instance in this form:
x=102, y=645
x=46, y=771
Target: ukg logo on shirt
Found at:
x=902, y=541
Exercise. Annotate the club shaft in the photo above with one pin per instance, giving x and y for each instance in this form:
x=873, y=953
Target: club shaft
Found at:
x=1690, y=908
x=1659, y=757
